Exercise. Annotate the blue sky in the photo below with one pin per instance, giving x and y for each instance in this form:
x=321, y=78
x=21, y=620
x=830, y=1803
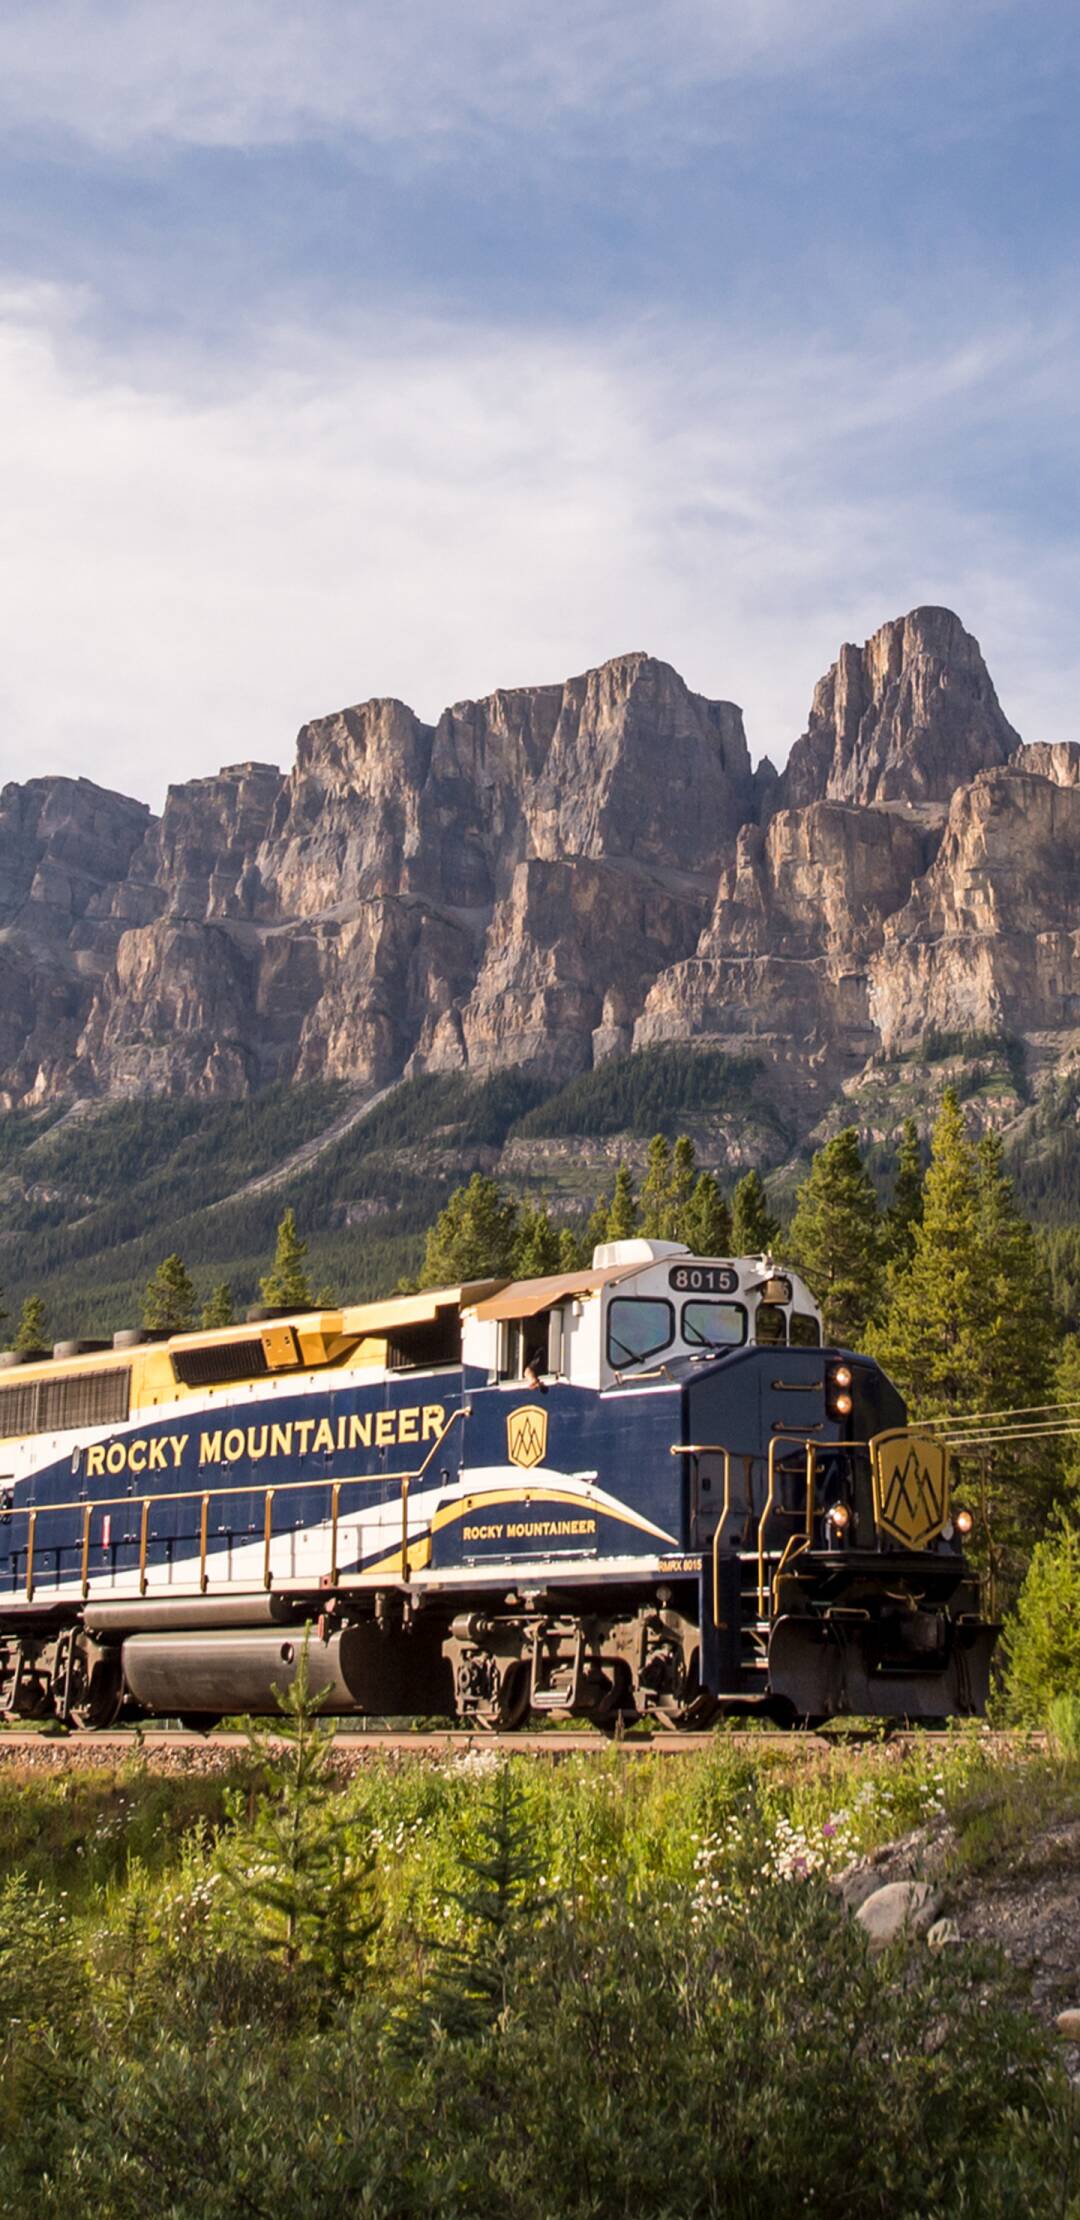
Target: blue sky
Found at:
x=418, y=348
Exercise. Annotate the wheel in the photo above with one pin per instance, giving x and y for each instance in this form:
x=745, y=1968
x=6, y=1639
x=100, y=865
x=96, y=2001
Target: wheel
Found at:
x=95, y=1690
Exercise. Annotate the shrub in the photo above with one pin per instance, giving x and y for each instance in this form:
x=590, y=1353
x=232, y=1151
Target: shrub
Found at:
x=1042, y=1640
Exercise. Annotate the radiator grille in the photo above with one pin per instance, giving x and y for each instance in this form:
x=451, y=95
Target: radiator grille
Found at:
x=227, y=1360
x=79, y=1399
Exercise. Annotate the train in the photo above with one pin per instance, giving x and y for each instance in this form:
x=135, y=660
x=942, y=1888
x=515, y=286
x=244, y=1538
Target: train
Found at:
x=644, y=1490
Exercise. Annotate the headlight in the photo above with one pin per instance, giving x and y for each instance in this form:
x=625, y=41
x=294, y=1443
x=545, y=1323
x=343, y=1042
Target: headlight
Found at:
x=841, y=1405
x=963, y=1523
x=839, y=1518
x=842, y=1375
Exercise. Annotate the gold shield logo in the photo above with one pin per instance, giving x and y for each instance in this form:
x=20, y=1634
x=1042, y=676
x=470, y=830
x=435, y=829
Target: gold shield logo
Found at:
x=526, y=1435
x=911, y=1487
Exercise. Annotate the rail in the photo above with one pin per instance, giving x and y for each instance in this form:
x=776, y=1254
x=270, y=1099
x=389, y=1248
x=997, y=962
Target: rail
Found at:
x=205, y=1498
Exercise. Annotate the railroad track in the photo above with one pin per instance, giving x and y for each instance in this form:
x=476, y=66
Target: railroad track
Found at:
x=177, y=1750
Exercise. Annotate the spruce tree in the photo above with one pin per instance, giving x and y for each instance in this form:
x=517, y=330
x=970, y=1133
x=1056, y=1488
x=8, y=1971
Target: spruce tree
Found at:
x=656, y=1190
x=290, y=1858
x=169, y=1302
x=835, y=1239
x=623, y=1217
x=497, y=1907
x=286, y=1286
x=473, y=1237
x=705, y=1222
x=570, y=1251
x=906, y=1208
x=754, y=1230
x=218, y=1307
x=32, y=1335
x=536, y=1244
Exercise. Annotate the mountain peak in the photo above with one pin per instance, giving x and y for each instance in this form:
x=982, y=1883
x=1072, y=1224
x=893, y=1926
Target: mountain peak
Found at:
x=907, y=717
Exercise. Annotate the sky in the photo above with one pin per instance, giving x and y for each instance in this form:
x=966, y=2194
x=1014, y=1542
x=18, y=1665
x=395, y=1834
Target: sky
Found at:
x=419, y=347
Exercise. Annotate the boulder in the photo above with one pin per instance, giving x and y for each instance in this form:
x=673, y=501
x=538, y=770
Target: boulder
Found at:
x=900, y=1908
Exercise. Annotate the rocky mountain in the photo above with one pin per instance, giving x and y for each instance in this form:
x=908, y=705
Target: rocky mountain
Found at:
x=553, y=876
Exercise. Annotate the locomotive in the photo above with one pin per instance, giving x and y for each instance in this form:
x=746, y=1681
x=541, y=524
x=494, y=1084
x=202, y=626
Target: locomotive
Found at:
x=641, y=1490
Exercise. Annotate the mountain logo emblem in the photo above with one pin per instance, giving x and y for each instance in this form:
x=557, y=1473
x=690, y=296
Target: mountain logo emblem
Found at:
x=526, y=1435
x=911, y=1487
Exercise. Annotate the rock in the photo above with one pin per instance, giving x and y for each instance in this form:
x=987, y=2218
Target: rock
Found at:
x=908, y=717
x=900, y=1908
x=551, y=876
x=1068, y=2026
x=942, y=1934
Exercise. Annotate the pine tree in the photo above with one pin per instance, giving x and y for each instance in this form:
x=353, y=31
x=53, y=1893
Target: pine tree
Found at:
x=32, y=1335
x=1065, y=1391
x=1016, y=1311
x=169, y=1302
x=473, y=1237
x=656, y=1190
x=967, y=1328
x=570, y=1251
x=623, y=1219
x=680, y=1187
x=835, y=1239
x=931, y=1340
x=705, y=1223
x=754, y=1230
x=294, y=1863
x=286, y=1286
x=596, y=1231
x=906, y=1208
x=536, y=1244
x=218, y=1307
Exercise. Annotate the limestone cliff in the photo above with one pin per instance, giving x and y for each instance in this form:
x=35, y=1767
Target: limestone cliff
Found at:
x=550, y=876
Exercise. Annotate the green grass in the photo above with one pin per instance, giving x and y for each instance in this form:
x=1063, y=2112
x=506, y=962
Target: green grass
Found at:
x=603, y=1987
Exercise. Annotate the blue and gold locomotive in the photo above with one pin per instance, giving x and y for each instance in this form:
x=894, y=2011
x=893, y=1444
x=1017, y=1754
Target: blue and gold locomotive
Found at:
x=642, y=1489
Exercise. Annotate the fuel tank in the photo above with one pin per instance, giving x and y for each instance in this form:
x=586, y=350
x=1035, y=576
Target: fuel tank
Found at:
x=244, y=1669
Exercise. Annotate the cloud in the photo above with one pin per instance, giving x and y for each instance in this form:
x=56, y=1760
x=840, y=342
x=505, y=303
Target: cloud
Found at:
x=432, y=510
x=217, y=73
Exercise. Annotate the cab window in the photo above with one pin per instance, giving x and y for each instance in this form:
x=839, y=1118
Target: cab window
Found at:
x=804, y=1331
x=770, y=1325
x=714, y=1325
x=638, y=1328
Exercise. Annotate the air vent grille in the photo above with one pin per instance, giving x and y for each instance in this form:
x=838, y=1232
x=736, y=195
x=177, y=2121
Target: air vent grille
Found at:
x=222, y=1362
x=52, y=1406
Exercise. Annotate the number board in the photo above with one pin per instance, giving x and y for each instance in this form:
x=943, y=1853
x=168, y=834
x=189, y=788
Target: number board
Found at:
x=703, y=1279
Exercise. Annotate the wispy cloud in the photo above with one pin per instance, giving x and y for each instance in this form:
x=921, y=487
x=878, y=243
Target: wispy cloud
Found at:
x=218, y=73
x=440, y=509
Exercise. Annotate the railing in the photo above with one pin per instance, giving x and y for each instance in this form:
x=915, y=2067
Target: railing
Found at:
x=781, y=1446
x=205, y=1498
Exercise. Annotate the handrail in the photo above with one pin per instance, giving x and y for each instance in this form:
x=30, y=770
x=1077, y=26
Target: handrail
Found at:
x=725, y=1510
x=763, y=1521
x=335, y=1499
x=144, y=1527
x=405, y=1566
x=204, y=1497
x=268, y=1527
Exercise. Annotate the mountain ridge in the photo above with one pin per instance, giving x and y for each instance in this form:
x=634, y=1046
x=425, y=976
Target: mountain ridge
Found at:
x=551, y=876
